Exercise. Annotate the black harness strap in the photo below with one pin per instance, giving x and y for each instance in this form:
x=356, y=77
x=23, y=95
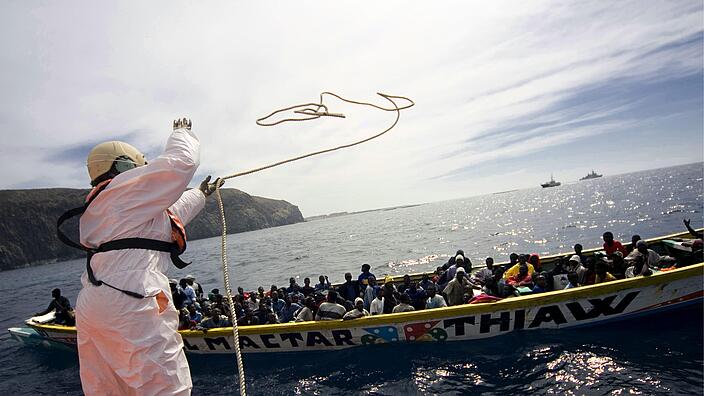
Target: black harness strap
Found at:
x=118, y=244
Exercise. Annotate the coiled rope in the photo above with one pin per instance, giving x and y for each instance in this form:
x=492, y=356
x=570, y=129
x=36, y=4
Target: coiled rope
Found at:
x=311, y=111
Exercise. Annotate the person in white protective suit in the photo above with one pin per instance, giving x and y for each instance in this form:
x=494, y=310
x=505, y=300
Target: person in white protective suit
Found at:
x=129, y=345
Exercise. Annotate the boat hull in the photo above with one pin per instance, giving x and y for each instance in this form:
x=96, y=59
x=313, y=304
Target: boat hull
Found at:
x=588, y=305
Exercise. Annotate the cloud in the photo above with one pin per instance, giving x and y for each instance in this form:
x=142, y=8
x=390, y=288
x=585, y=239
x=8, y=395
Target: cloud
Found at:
x=492, y=81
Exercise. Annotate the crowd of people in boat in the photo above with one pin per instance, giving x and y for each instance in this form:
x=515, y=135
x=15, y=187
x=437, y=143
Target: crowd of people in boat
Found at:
x=453, y=283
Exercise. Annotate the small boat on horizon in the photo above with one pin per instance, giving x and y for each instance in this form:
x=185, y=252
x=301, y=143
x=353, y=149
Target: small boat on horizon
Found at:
x=551, y=183
x=592, y=175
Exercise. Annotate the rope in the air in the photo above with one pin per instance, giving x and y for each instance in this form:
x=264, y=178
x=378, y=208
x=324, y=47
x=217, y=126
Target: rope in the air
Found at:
x=311, y=111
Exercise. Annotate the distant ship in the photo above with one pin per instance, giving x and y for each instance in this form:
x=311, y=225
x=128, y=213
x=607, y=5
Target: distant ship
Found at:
x=551, y=183
x=592, y=175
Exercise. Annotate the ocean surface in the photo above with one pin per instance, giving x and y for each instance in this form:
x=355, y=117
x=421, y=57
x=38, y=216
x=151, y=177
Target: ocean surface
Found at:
x=663, y=356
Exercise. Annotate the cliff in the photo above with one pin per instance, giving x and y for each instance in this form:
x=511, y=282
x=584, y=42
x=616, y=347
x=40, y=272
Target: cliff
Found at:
x=28, y=221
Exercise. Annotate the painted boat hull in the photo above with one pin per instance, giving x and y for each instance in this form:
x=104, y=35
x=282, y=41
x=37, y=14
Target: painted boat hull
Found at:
x=587, y=305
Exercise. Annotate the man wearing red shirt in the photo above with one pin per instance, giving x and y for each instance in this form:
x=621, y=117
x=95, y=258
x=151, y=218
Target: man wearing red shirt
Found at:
x=610, y=245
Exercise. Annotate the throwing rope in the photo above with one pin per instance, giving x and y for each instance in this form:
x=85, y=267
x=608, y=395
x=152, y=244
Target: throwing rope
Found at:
x=310, y=111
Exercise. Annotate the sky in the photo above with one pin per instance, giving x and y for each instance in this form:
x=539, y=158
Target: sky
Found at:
x=506, y=93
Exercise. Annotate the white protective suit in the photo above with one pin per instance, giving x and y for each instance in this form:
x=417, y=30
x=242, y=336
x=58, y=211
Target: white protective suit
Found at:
x=126, y=345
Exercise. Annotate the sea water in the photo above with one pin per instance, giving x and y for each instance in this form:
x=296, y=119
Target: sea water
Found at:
x=662, y=356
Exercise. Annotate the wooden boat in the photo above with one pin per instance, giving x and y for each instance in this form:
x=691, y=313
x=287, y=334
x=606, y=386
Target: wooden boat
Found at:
x=587, y=305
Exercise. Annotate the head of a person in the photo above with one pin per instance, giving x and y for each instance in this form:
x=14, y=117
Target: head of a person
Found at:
x=56, y=293
x=608, y=237
x=191, y=309
x=522, y=258
x=574, y=261
x=617, y=257
x=513, y=258
x=321, y=279
x=489, y=261
x=634, y=239
x=183, y=283
x=534, y=260
x=459, y=260
x=273, y=288
x=109, y=159
x=638, y=265
x=372, y=280
x=291, y=281
x=366, y=268
x=216, y=313
x=460, y=273
x=591, y=264
x=600, y=268
x=274, y=296
x=271, y=317
x=260, y=290
x=642, y=247
x=459, y=252
x=359, y=303
x=405, y=298
x=306, y=282
x=697, y=244
x=438, y=270
x=380, y=293
x=407, y=279
x=431, y=291
x=578, y=248
x=253, y=296
x=332, y=296
x=523, y=270
x=294, y=298
x=541, y=281
x=172, y=284
x=348, y=277
x=309, y=302
x=573, y=278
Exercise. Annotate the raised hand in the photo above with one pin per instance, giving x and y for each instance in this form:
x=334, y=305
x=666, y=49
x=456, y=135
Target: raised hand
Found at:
x=182, y=123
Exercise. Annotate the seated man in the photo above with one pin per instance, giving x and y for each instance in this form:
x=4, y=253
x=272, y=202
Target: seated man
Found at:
x=248, y=319
x=522, y=260
x=575, y=265
x=330, y=310
x=541, y=284
x=404, y=305
x=573, y=280
x=350, y=289
x=323, y=284
x=370, y=291
x=64, y=314
x=434, y=300
x=307, y=289
x=362, y=278
x=611, y=245
x=417, y=295
x=358, y=311
x=481, y=276
x=194, y=315
x=307, y=312
x=289, y=309
x=376, y=307
x=217, y=320
x=650, y=257
x=522, y=279
x=638, y=268
x=456, y=288
x=601, y=274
